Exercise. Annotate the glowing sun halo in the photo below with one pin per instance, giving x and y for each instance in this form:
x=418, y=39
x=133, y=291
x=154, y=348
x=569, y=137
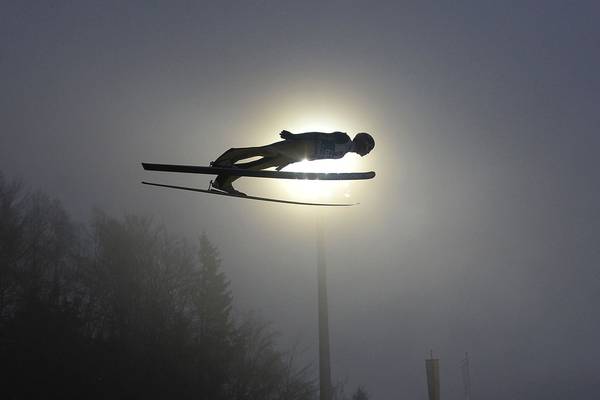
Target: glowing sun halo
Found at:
x=310, y=189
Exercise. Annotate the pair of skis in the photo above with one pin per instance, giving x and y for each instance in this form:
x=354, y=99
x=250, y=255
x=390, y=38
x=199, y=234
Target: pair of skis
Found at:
x=193, y=169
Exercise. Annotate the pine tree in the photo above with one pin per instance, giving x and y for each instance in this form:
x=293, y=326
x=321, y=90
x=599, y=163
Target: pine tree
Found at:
x=214, y=297
x=215, y=330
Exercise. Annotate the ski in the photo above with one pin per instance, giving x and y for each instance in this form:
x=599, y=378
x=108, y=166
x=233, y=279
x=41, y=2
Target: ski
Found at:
x=220, y=193
x=193, y=169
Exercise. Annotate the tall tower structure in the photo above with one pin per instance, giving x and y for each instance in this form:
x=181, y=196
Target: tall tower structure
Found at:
x=432, y=367
x=324, y=362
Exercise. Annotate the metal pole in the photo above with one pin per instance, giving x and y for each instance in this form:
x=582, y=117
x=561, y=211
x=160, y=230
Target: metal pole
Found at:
x=324, y=363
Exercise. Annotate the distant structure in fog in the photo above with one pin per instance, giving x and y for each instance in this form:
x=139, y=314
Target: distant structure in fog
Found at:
x=432, y=367
x=466, y=375
x=325, y=392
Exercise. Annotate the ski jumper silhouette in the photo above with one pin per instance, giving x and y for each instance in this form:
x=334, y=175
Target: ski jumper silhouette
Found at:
x=294, y=148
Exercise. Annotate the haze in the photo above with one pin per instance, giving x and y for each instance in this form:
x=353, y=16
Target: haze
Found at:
x=479, y=233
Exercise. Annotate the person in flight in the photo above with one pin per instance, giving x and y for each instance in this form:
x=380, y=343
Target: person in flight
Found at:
x=293, y=148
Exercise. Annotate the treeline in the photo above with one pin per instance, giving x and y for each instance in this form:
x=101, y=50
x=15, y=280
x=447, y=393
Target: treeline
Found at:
x=120, y=308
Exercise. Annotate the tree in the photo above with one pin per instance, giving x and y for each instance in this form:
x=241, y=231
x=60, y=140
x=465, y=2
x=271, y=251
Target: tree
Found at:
x=212, y=327
x=40, y=330
x=360, y=394
x=214, y=297
x=11, y=243
x=124, y=309
x=262, y=372
x=140, y=281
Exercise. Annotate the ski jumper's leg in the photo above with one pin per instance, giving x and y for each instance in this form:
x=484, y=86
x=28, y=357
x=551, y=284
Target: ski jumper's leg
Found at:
x=263, y=163
x=234, y=155
x=274, y=155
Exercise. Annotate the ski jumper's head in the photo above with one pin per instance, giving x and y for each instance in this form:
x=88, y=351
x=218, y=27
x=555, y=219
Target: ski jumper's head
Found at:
x=363, y=143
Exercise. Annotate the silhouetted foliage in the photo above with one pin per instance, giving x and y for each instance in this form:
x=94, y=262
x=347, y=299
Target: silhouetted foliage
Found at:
x=262, y=372
x=123, y=309
x=339, y=392
x=360, y=394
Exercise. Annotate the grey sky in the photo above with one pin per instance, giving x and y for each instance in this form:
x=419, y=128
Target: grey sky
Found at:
x=480, y=232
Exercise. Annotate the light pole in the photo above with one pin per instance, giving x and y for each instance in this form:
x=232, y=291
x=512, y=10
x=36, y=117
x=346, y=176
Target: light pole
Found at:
x=324, y=363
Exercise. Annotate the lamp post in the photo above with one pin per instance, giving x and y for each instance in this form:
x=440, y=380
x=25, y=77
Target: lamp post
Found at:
x=324, y=363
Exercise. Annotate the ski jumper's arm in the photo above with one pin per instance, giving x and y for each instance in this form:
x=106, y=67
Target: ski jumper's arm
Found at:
x=337, y=137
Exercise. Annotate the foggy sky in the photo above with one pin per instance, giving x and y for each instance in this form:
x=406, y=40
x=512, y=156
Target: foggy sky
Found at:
x=480, y=233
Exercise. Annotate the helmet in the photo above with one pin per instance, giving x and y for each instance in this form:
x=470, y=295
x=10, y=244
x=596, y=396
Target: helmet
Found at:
x=364, y=143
